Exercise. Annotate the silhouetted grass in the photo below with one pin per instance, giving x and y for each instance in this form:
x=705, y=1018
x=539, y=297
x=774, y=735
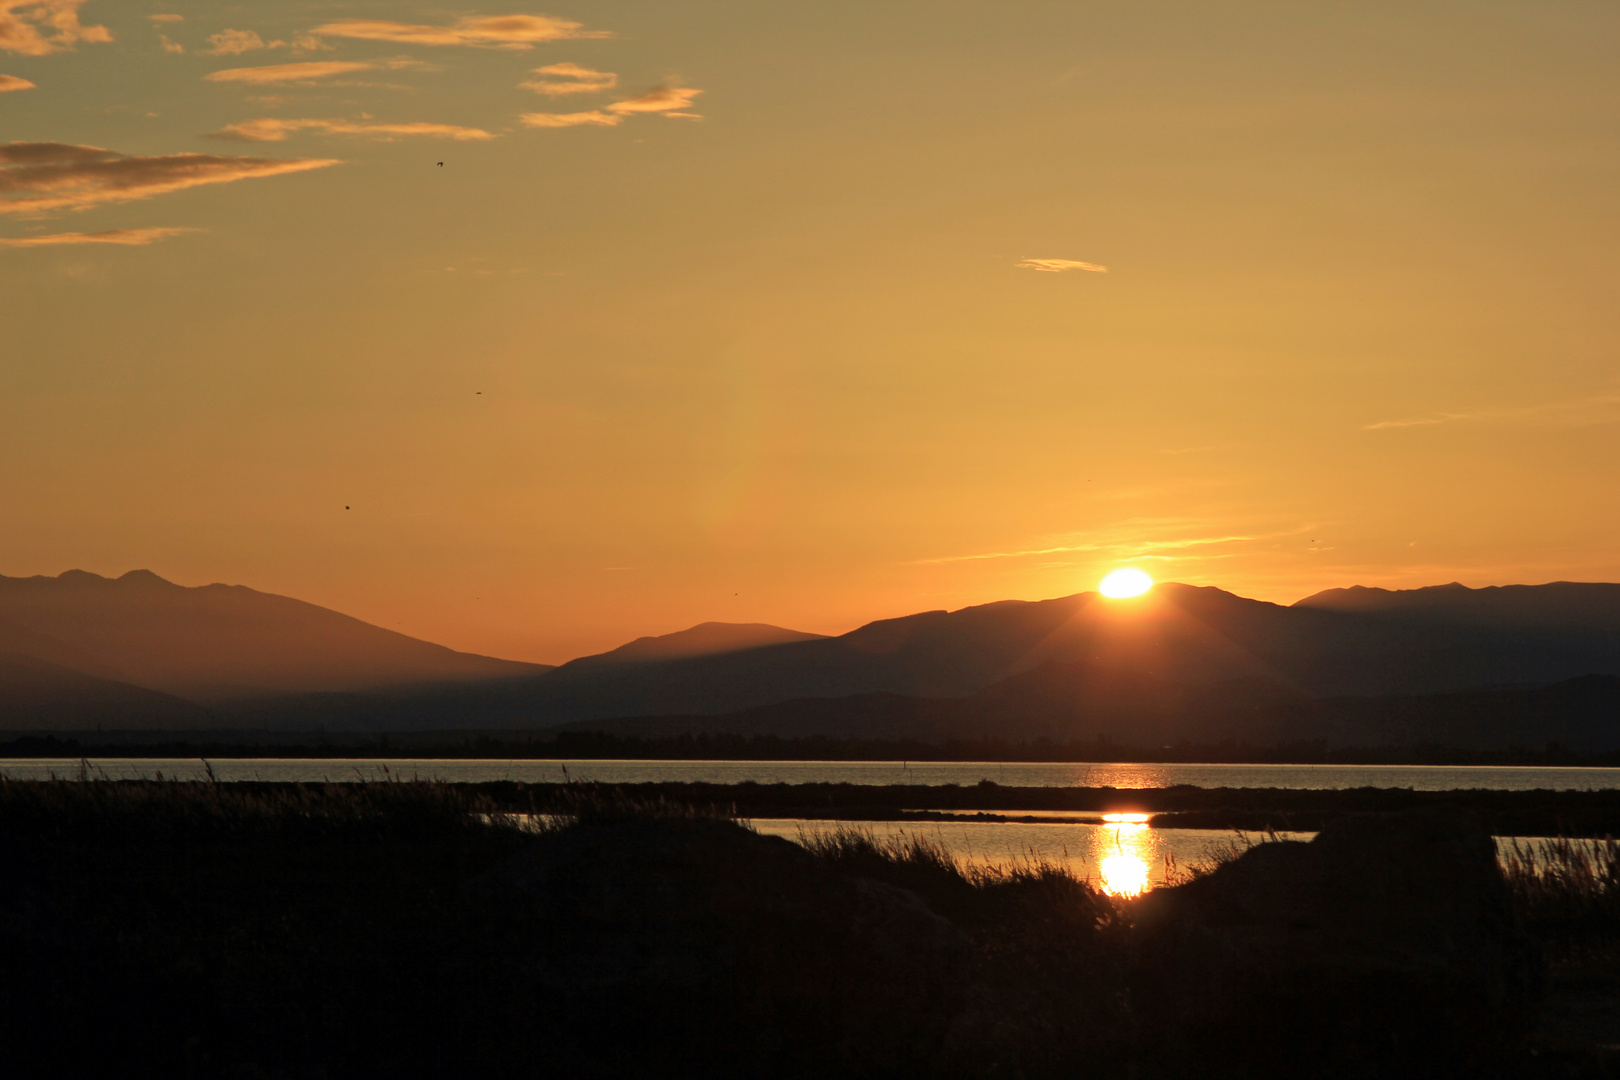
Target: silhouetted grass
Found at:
x=1567, y=891
x=204, y=929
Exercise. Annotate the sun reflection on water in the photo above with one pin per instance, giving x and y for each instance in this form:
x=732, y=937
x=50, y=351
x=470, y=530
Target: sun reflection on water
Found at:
x=1123, y=853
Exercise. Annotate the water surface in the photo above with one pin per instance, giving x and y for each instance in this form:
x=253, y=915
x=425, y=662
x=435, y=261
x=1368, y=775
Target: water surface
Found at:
x=1011, y=774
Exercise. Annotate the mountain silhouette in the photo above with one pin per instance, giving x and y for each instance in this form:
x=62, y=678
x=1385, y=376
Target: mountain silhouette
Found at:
x=1182, y=662
x=704, y=639
x=36, y=695
x=1182, y=635
x=1562, y=606
x=218, y=643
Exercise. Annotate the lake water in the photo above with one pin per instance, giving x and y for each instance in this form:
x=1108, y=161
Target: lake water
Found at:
x=1124, y=858
x=1011, y=774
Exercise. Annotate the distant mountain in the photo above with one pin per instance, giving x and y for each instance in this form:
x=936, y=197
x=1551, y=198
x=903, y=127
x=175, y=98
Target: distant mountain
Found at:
x=1079, y=703
x=217, y=643
x=704, y=639
x=36, y=695
x=1178, y=634
x=1562, y=606
x=1181, y=662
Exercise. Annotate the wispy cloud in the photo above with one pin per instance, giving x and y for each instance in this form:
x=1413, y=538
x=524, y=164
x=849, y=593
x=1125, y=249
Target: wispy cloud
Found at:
x=1577, y=411
x=122, y=237
x=566, y=120
x=272, y=129
x=1127, y=541
x=661, y=101
x=560, y=80
x=236, y=42
x=167, y=17
x=488, y=31
x=284, y=73
x=41, y=27
x=669, y=100
x=8, y=83
x=1058, y=266
x=40, y=177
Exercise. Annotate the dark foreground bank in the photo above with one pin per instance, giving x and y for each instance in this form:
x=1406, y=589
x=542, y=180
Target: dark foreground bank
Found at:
x=412, y=929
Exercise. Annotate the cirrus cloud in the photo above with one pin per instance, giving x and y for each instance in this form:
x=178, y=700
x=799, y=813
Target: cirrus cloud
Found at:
x=39, y=177
x=661, y=101
x=282, y=73
x=275, y=129
x=488, y=31
x=8, y=83
x=563, y=79
x=41, y=27
x=1058, y=266
x=122, y=237
x=566, y=120
x=669, y=100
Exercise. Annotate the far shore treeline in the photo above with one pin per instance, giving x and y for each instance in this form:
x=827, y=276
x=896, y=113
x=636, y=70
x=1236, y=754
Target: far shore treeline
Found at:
x=603, y=746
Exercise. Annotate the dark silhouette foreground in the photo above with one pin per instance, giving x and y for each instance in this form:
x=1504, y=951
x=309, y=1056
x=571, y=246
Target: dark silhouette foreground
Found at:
x=407, y=929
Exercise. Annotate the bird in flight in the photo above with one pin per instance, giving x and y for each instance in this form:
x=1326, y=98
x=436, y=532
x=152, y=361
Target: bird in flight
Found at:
x=441, y=164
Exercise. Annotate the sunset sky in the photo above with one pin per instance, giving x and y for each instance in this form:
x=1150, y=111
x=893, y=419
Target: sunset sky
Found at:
x=805, y=313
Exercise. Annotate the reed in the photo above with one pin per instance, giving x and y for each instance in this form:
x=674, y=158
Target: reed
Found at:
x=1567, y=891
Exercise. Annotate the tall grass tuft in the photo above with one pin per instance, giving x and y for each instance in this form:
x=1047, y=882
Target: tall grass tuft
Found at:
x=1567, y=891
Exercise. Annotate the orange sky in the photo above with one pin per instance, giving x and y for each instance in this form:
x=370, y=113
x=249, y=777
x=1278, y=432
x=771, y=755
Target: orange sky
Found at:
x=613, y=370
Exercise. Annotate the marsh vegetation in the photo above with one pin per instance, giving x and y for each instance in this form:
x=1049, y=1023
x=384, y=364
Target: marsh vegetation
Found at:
x=212, y=929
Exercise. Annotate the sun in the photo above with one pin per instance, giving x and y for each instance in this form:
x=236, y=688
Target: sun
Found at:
x=1127, y=582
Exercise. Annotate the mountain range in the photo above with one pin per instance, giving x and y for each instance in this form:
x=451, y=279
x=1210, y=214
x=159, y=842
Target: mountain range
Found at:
x=1183, y=662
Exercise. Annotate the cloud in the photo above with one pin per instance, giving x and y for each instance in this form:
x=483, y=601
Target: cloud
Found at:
x=39, y=177
x=565, y=120
x=488, y=31
x=8, y=83
x=663, y=99
x=167, y=18
x=280, y=73
x=1423, y=421
x=124, y=237
x=272, y=129
x=21, y=23
x=564, y=79
x=1124, y=542
x=171, y=46
x=1575, y=412
x=1058, y=266
x=236, y=42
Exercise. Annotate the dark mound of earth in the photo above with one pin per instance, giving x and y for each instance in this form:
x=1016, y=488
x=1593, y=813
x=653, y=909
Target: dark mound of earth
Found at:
x=729, y=950
x=1386, y=946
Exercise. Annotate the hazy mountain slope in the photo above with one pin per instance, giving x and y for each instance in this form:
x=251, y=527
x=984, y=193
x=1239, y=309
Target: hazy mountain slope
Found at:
x=1077, y=702
x=704, y=639
x=36, y=695
x=1178, y=633
x=1567, y=607
x=218, y=642
x=23, y=641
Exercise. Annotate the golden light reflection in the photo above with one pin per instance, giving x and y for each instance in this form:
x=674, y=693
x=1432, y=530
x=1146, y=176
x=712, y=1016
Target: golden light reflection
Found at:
x=1125, y=583
x=1123, y=854
x=1124, y=875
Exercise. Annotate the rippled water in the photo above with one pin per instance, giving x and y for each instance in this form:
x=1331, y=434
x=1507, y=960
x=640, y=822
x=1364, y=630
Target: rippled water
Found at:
x=1016, y=774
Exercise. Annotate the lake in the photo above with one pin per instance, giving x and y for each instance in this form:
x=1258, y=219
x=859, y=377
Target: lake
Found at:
x=1124, y=857
x=1012, y=774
